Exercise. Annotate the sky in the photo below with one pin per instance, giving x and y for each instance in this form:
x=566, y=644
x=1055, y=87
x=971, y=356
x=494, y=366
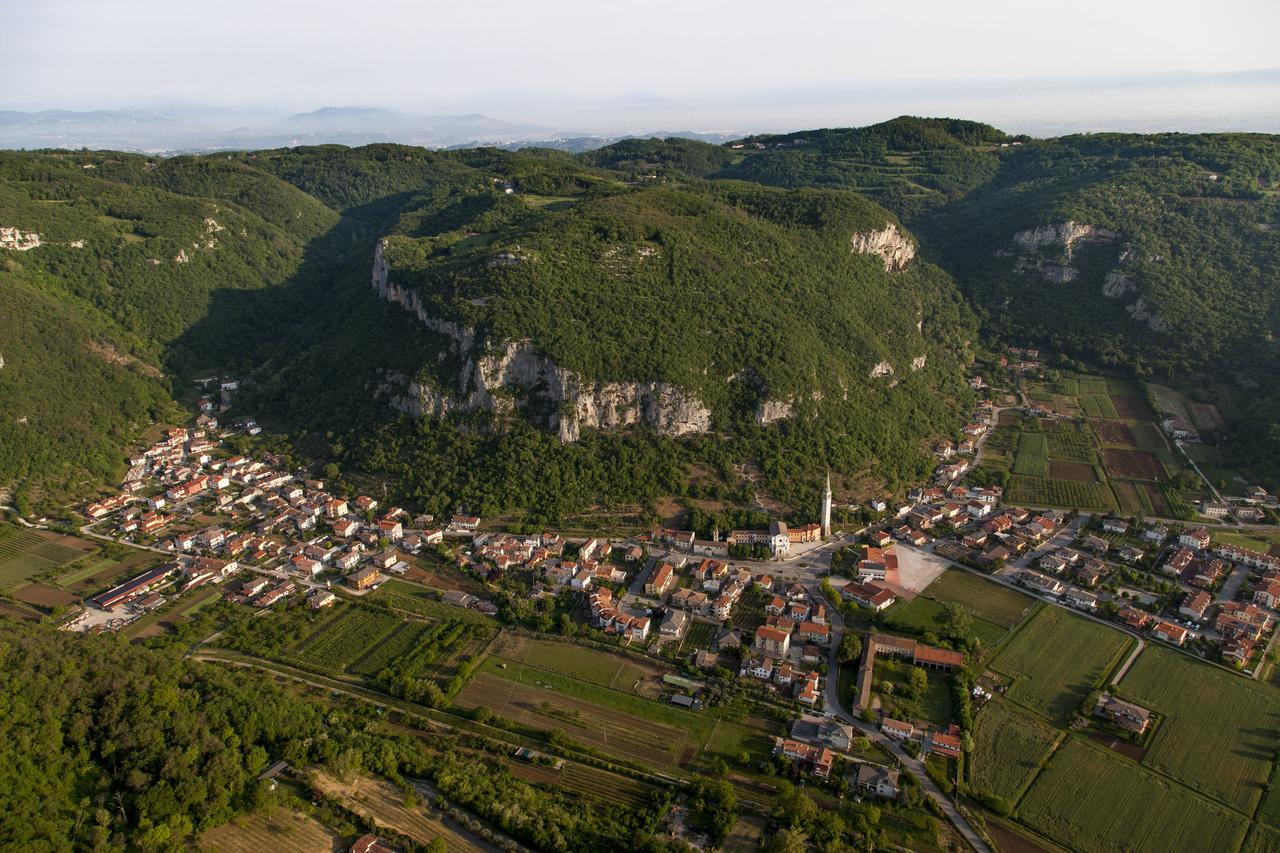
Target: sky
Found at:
x=555, y=60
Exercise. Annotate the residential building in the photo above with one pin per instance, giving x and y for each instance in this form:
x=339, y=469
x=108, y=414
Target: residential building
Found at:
x=1126, y=715
x=876, y=781
x=771, y=641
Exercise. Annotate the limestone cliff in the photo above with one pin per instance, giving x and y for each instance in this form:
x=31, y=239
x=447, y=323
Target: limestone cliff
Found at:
x=893, y=247
x=495, y=374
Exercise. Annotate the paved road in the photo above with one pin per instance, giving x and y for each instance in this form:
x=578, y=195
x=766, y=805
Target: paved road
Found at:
x=1128, y=662
x=911, y=765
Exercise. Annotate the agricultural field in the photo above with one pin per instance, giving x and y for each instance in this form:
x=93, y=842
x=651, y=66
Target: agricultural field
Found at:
x=1148, y=436
x=29, y=554
x=1219, y=733
x=1203, y=416
x=1115, y=432
x=1009, y=749
x=1032, y=458
x=1079, y=472
x=1131, y=498
x=582, y=780
x=1069, y=442
x=342, y=641
x=1056, y=659
x=1068, y=494
x=1262, y=839
x=1089, y=798
x=273, y=828
x=1097, y=406
x=986, y=600
x=619, y=723
x=419, y=600
x=598, y=667
x=1133, y=464
x=380, y=802
x=43, y=595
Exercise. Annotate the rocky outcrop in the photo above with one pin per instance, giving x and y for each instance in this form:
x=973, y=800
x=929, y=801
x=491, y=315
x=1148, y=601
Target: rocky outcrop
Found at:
x=1065, y=234
x=1117, y=284
x=18, y=240
x=1142, y=313
x=495, y=376
x=884, y=368
x=919, y=362
x=893, y=247
x=772, y=411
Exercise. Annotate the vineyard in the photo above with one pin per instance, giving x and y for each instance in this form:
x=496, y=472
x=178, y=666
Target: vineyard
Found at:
x=1070, y=444
x=1033, y=455
x=1072, y=494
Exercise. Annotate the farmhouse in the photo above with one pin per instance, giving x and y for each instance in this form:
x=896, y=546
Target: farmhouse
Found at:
x=1126, y=715
x=877, y=781
x=1170, y=633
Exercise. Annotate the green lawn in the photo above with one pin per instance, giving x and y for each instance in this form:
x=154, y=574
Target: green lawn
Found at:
x=923, y=614
x=934, y=704
x=415, y=598
x=1009, y=747
x=1056, y=659
x=1091, y=799
x=1220, y=733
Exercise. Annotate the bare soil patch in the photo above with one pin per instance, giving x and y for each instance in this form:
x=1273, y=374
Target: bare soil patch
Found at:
x=1115, y=432
x=1115, y=744
x=1159, y=507
x=1132, y=408
x=1080, y=472
x=1134, y=464
x=44, y=596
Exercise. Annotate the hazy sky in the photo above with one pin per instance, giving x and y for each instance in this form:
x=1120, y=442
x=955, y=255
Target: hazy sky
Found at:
x=302, y=54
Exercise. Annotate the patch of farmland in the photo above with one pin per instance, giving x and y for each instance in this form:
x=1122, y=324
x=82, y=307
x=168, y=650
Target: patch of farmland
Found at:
x=384, y=805
x=399, y=642
x=1219, y=733
x=1080, y=472
x=43, y=595
x=1131, y=498
x=1056, y=659
x=1147, y=436
x=1132, y=408
x=1090, y=799
x=1033, y=454
x=598, y=667
x=1093, y=385
x=1262, y=839
x=629, y=737
x=1009, y=749
x=340, y=642
x=1133, y=464
x=1042, y=491
x=1114, y=432
x=1071, y=446
x=986, y=599
x=274, y=828
x=923, y=614
x=27, y=554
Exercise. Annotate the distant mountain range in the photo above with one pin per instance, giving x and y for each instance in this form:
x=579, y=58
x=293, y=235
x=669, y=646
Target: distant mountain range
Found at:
x=196, y=129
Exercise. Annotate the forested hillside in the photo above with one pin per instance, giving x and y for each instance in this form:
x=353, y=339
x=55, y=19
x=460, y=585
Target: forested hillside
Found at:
x=624, y=317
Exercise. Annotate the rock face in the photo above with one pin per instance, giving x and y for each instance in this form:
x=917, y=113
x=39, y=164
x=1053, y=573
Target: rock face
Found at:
x=1065, y=234
x=772, y=411
x=919, y=362
x=893, y=247
x=1142, y=313
x=18, y=240
x=495, y=374
x=1117, y=284
x=884, y=368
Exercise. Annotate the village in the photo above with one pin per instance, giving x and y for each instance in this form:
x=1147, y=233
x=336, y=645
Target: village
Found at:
x=767, y=608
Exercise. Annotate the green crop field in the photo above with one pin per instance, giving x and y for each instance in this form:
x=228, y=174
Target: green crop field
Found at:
x=1220, y=733
x=1262, y=839
x=1033, y=455
x=417, y=599
x=1148, y=436
x=1131, y=499
x=27, y=554
x=1092, y=385
x=1098, y=406
x=1071, y=446
x=988, y=600
x=598, y=667
x=1068, y=494
x=1056, y=659
x=1091, y=799
x=342, y=641
x=1009, y=749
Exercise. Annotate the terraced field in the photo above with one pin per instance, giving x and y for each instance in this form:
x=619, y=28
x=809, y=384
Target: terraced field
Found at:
x=27, y=554
x=273, y=828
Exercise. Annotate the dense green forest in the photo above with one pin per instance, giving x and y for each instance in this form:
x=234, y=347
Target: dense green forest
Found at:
x=112, y=746
x=724, y=271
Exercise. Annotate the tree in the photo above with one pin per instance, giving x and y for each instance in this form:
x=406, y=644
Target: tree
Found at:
x=919, y=681
x=850, y=648
x=786, y=841
x=956, y=621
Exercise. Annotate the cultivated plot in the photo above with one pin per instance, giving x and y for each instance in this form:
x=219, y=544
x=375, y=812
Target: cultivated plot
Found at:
x=1009, y=749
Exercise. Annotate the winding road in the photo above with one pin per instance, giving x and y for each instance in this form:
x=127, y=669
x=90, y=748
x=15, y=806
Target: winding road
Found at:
x=911, y=765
